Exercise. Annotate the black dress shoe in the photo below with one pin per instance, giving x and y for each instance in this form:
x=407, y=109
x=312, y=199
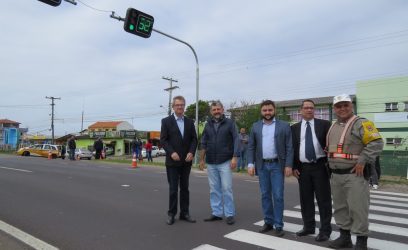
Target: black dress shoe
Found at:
x=187, y=218
x=170, y=220
x=322, y=237
x=213, y=218
x=230, y=220
x=266, y=227
x=305, y=232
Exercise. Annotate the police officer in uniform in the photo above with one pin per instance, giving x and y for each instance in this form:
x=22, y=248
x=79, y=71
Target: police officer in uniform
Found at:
x=352, y=144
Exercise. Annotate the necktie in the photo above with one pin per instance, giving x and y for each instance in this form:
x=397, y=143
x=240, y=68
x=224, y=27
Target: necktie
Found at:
x=309, y=150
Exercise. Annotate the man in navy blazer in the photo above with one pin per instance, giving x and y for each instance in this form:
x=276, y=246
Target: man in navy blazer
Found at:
x=270, y=151
x=179, y=140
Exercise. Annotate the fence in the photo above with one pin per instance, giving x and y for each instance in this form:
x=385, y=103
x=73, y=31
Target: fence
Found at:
x=394, y=163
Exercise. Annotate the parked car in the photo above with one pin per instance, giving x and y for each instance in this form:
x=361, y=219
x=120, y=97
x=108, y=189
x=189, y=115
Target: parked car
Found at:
x=162, y=152
x=155, y=152
x=40, y=150
x=82, y=153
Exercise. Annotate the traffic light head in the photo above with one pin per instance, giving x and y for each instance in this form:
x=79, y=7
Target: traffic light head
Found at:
x=138, y=23
x=51, y=2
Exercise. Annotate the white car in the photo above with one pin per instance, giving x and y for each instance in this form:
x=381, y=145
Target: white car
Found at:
x=155, y=152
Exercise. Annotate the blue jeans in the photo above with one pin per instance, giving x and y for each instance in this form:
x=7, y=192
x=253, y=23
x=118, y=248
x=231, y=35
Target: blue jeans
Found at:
x=242, y=160
x=271, y=182
x=220, y=181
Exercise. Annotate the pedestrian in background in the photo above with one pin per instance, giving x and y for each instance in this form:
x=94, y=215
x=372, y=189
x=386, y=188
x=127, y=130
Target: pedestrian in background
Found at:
x=98, y=146
x=242, y=148
x=219, y=150
x=148, y=147
x=72, y=147
x=270, y=150
x=63, y=151
x=179, y=139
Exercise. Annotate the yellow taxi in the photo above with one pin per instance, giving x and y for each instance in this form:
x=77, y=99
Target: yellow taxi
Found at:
x=40, y=150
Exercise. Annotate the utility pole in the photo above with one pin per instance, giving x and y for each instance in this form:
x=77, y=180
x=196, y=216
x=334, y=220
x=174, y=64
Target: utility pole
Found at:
x=52, y=114
x=170, y=89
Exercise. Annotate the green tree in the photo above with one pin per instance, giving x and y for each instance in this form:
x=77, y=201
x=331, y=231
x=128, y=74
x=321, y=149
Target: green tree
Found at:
x=203, y=111
x=247, y=113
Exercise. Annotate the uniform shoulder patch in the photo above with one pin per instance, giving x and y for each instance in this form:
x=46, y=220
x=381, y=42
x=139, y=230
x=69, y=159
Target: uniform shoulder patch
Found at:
x=370, y=132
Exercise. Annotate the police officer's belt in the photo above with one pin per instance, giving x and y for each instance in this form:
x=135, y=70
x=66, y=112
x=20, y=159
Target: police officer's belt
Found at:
x=341, y=171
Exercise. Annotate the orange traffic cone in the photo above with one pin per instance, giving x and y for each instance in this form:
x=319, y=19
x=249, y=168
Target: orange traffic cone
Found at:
x=134, y=161
x=49, y=155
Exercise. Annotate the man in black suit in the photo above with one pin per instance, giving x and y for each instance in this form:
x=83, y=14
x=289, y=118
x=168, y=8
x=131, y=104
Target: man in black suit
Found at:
x=179, y=139
x=310, y=167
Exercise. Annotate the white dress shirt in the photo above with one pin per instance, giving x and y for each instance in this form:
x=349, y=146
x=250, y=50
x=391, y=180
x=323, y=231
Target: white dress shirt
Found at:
x=318, y=149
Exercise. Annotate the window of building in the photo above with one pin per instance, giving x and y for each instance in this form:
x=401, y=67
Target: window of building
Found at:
x=393, y=141
x=322, y=113
x=391, y=106
x=295, y=115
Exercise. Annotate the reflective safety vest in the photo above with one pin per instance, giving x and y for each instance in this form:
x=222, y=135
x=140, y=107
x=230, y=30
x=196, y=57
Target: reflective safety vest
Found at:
x=340, y=145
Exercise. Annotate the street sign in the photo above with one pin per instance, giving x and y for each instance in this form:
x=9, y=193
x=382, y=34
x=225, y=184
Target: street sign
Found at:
x=138, y=23
x=51, y=2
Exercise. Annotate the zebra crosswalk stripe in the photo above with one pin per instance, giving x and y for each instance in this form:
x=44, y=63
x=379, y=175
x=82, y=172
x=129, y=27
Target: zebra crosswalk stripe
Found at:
x=207, y=247
x=390, y=203
x=388, y=198
x=268, y=241
x=373, y=226
x=371, y=243
x=388, y=193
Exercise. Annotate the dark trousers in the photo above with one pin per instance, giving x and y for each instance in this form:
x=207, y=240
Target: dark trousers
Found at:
x=178, y=176
x=72, y=154
x=98, y=154
x=314, y=180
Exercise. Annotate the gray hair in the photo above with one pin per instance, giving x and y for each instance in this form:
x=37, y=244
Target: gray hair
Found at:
x=217, y=103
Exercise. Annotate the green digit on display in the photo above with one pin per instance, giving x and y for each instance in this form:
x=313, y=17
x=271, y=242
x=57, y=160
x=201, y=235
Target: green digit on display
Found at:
x=147, y=25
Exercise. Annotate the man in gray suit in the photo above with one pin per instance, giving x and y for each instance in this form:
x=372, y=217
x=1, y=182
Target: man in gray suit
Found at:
x=270, y=150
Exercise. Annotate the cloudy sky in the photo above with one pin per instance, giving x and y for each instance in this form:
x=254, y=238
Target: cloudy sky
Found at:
x=247, y=51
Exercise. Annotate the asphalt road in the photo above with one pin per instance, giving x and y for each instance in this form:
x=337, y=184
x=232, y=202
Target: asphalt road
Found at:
x=98, y=205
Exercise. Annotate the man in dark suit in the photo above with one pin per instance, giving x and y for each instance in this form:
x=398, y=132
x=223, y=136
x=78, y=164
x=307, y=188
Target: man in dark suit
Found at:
x=270, y=151
x=179, y=139
x=310, y=168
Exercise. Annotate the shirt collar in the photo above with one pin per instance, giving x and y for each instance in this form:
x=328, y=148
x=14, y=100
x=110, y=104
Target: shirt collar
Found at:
x=273, y=121
x=304, y=122
x=178, y=118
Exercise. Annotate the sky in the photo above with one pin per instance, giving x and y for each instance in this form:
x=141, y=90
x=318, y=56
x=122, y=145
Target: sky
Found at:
x=247, y=51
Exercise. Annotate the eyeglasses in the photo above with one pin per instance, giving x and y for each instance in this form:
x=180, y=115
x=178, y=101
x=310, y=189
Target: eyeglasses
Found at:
x=179, y=105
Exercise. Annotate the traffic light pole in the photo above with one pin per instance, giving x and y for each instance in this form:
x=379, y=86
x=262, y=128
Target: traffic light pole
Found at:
x=197, y=80
x=197, y=71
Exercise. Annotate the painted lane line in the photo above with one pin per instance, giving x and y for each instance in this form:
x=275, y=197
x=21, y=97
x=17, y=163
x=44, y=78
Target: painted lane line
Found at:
x=390, y=203
x=381, y=228
x=268, y=241
x=388, y=198
x=389, y=193
x=17, y=169
x=372, y=242
x=26, y=238
x=207, y=247
x=252, y=181
x=379, y=217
